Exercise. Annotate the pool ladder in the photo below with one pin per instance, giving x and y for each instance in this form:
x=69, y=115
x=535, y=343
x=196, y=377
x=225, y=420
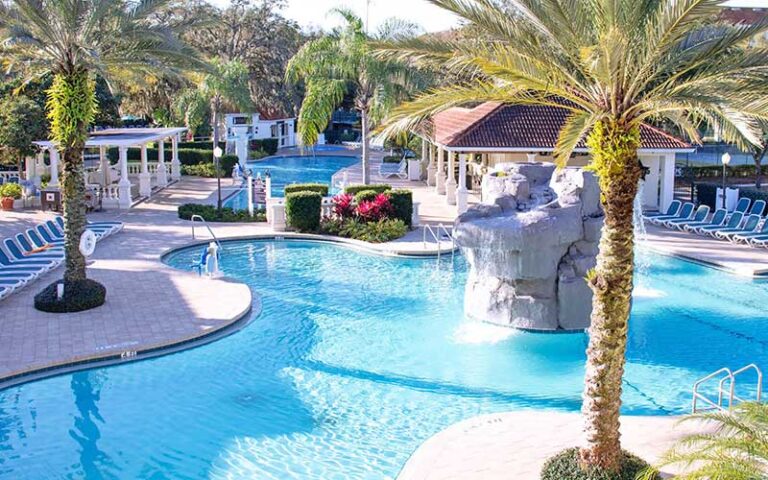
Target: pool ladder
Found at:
x=725, y=389
x=435, y=233
x=198, y=218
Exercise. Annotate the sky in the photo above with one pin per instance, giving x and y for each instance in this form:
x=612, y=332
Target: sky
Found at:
x=313, y=13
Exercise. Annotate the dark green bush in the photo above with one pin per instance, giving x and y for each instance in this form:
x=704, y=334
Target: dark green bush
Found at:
x=302, y=210
x=565, y=466
x=706, y=194
x=320, y=188
x=187, y=156
x=200, y=145
x=209, y=213
x=365, y=196
x=227, y=163
x=392, y=159
x=384, y=230
x=753, y=194
x=377, y=187
x=78, y=296
x=268, y=145
x=201, y=170
x=716, y=171
x=402, y=204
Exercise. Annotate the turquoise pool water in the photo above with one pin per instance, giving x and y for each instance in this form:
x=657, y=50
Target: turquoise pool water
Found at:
x=355, y=360
x=292, y=169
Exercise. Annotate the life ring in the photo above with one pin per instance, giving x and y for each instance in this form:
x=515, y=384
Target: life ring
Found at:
x=87, y=243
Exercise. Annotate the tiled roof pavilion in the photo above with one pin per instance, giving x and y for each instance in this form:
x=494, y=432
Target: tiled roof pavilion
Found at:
x=499, y=127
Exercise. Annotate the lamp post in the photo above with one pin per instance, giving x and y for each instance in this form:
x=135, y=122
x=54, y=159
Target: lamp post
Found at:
x=217, y=153
x=725, y=159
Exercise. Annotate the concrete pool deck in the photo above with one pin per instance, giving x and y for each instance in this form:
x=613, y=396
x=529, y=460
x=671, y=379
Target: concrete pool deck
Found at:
x=515, y=445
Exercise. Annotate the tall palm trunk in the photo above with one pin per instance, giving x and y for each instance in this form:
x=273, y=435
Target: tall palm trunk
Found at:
x=614, y=150
x=366, y=146
x=71, y=104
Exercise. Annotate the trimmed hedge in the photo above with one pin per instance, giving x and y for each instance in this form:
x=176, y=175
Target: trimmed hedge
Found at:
x=320, y=188
x=402, y=204
x=376, y=187
x=201, y=145
x=706, y=194
x=302, y=210
x=187, y=156
x=227, y=163
x=392, y=159
x=716, y=171
x=268, y=145
x=365, y=196
x=753, y=194
x=209, y=213
x=565, y=466
x=78, y=296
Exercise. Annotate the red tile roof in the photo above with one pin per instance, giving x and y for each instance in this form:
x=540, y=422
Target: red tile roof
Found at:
x=494, y=125
x=747, y=16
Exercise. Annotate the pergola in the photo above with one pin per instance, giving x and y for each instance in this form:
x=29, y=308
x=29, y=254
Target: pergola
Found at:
x=149, y=173
x=499, y=133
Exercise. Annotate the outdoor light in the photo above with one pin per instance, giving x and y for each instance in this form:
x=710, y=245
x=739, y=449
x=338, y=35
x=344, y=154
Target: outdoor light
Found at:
x=726, y=159
x=217, y=153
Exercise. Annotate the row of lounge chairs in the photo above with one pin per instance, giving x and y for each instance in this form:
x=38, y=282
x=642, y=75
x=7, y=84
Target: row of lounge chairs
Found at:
x=30, y=254
x=745, y=224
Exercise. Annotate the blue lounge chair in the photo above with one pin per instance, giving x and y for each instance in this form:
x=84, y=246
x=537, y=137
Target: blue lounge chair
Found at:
x=674, y=208
x=58, y=232
x=25, y=278
x=38, y=241
x=26, y=264
x=27, y=248
x=761, y=231
x=749, y=225
x=17, y=255
x=743, y=205
x=106, y=228
x=733, y=222
x=701, y=213
x=717, y=220
x=757, y=208
x=13, y=284
x=4, y=291
x=48, y=236
x=394, y=169
x=685, y=213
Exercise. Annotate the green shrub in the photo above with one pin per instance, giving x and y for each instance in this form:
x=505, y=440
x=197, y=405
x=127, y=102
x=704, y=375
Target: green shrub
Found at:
x=200, y=145
x=302, y=210
x=268, y=145
x=202, y=170
x=402, y=204
x=392, y=159
x=11, y=190
x=753, y=194
x=384, y=230
x=320, y=188
x=187, y=156
x=377, y=187
x=257, y=154
x=565, y=466
x=706, y=194
x=209, y=213
x=227, y=163
x=78, y=296
x=365, y=196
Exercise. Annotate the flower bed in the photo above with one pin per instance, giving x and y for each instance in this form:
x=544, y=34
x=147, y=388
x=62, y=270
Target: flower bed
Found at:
x=367, y=216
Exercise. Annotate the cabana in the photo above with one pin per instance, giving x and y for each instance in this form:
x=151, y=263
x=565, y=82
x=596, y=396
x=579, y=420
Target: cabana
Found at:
x=114, y=184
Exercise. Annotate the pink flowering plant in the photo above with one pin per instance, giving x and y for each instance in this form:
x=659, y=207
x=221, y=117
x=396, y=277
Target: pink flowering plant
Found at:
x=343, y=206
x=374, y=210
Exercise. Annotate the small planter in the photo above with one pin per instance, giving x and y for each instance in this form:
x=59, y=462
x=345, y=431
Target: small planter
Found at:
x=6, y=203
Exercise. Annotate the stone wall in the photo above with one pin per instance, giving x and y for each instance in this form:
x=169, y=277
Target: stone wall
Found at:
x=529, y=246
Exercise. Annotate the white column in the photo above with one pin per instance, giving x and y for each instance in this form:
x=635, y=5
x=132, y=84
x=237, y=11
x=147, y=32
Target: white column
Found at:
x=145, y=179
x=440, y=172
x=431, y=168
x=531, y=157
x=39, y=165
x=124, y=187
x=104, y=166
x=54, y=167
x=175, y=165
x=667, y=193
x=450, y=184
x=161, y=175
x=461, y=191
x=241, y=150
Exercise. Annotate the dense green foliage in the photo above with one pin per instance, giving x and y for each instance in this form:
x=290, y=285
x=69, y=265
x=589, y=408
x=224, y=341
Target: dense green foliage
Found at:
x=716, y=171
x=376, y=187
x=187, y=156
x=320, y=188
x=384, y=230
x=267, y=145
x=706, y=194
x=302, y=210
x=367, y=195
x=78, y=296
x=402, y=204
x=565, y=466
x=210, y=214
x=12, y=190
x=201, y=145
x=22, y=121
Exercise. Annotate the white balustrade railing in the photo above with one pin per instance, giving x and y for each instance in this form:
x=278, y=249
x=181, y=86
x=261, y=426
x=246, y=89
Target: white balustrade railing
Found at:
x=134, y=168
x=7, y=175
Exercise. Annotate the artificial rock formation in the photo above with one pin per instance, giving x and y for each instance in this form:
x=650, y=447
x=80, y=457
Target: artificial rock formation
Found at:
x=529, y=246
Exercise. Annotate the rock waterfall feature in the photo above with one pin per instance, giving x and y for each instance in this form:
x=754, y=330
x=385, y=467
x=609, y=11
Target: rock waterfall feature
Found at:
x=529, y=246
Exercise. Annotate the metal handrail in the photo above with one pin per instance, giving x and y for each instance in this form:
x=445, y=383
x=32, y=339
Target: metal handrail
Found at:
x=436, y=236
x=726, y=376
x=205, y=224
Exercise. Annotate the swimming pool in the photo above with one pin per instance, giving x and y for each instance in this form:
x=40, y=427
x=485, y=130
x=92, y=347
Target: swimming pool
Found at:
x=354, y=361
x=292, y=169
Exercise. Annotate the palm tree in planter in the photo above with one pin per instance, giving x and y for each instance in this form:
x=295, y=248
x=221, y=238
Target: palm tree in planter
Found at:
x=612, y=65
x=343, y=60
x=75, y=40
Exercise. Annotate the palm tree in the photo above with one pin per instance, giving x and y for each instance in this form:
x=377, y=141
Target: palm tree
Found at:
x=74, y=40
x=332, y=64
x=612, y=64
x=734, y=447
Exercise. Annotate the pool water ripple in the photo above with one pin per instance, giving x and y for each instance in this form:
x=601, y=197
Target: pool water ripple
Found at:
x=354, y=361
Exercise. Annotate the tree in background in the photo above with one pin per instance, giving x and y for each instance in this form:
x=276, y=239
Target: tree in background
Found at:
x=22, y=121
x=612, y=65
x=342, y=60
x=73, y=40
x=758, y=154
x=191, y=108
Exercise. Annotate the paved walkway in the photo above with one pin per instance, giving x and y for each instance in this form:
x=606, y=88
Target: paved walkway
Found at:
x=515, y=445
x=736, y=258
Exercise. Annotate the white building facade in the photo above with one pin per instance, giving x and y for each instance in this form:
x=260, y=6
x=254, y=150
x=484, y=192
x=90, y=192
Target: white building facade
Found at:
x=257, y=126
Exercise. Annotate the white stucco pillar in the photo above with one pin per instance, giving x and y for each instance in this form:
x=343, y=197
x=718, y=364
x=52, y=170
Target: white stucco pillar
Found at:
x=175, y=165
x=161, y=176
x=145, y=178
x=531, y=157
x=440, y=172
x=461, y=191
x=450, y=184
x=241, y=150
x=104, y=166
x=54, y=167
x=431, y=168
x=124, y=187
x=667, y=188
x=39, y=165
